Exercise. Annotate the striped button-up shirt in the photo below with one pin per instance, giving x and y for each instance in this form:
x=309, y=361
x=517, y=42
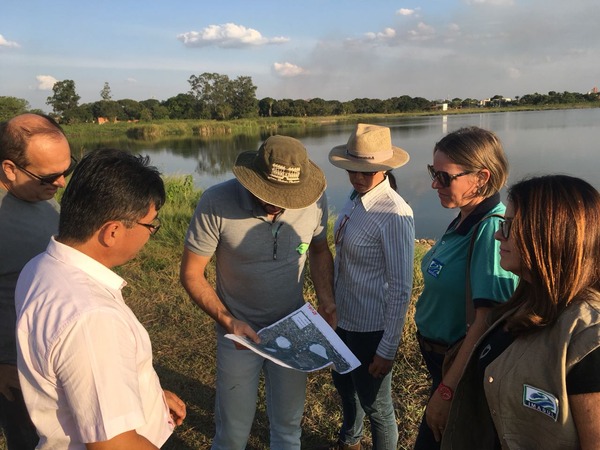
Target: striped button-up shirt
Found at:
x=374, y=265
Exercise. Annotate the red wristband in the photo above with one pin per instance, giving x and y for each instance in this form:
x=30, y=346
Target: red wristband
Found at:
x=445, y=392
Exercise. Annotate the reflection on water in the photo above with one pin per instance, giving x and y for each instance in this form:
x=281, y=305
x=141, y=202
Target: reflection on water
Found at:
x=535, y=142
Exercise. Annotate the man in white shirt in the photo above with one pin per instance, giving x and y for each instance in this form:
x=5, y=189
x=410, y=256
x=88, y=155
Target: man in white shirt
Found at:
x=85, y=361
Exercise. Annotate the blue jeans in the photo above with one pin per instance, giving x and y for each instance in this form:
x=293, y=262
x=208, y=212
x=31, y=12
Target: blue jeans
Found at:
x=363, y=394
x=433, y=361
x=19, y=431
x=238, y=374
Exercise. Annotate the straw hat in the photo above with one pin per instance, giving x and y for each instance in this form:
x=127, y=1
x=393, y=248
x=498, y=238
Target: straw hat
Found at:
x=369, y=149
x=280, y=173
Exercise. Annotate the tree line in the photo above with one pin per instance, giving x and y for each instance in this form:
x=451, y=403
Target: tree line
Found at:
x=217, y=97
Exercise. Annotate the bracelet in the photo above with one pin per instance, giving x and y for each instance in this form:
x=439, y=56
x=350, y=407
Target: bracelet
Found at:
x=445, y=392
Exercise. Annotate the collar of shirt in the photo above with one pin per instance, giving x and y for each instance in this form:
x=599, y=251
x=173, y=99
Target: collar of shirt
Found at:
x=369, y=198
x=90, y=266
x=478, y=213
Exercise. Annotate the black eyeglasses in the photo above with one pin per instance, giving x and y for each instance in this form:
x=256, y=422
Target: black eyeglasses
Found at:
x=444, y=178
x=365, y=174
x=49, y=179
x=505, y=227
x=153, y=227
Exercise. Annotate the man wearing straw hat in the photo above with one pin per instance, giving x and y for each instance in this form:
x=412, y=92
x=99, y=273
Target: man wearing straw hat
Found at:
x=374, y=239
x=261, y=226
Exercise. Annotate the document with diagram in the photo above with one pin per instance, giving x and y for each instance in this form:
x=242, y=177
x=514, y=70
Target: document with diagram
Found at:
x=304, y=341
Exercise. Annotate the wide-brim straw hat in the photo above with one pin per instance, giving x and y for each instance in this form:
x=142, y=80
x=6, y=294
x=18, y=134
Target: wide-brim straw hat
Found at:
x=369, y=149
x=280, y=173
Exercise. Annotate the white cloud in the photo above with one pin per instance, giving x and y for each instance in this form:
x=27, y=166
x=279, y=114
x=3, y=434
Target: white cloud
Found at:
x=9, y=44
x=131, y=80
x=405, y=12
x=387, y=33
x=288, y=70
x=228, y=35
x=45, y=82
x=422, y=32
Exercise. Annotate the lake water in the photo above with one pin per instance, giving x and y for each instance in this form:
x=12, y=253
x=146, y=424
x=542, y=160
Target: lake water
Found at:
x=536, y=142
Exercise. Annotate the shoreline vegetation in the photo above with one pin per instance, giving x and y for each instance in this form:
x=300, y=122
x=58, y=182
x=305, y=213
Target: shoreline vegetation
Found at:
x=183, y=342
x=167, y=128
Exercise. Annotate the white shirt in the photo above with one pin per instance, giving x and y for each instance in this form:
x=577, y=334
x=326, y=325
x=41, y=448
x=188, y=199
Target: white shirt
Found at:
x=85, y=361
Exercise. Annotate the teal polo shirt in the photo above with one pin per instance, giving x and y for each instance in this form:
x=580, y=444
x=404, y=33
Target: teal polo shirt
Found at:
x=441, y=308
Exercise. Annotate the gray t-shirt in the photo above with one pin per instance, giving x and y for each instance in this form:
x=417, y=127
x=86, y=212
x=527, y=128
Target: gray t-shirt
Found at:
x=260, y=264
x=25, y=230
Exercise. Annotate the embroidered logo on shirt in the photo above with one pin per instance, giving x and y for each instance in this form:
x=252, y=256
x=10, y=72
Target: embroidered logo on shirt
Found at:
x=435, y=267
x=541, y=401
x=301, y=249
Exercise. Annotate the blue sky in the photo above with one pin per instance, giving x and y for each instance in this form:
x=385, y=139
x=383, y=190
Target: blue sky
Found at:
x=332, y=49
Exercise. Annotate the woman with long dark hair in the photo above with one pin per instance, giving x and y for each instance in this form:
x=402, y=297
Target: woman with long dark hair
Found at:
x=533, y=380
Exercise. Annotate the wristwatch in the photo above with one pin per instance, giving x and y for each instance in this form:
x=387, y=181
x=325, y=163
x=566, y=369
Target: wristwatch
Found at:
x=445, y=392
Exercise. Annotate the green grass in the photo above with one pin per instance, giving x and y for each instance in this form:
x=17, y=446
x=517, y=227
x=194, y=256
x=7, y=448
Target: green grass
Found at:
x=184, y=343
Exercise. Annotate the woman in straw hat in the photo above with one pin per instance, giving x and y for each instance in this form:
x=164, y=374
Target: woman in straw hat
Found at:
x=374, y=238
x=461, y=282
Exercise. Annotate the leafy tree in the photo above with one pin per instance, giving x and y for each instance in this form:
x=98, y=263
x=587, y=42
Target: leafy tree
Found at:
x=347, y=108
x=153, y=110
x=456, y=103
x=281, y=108
x=107, y=108
x=12, y=106
x=319, y=107
x=131, y=109
x=82, y=114
x=469, y=103
x=214, y=92
x=243, y=101
x=64, y=101
x=223, y=98
x=105, y=92
x=298, y=108
x=421, y=104
x=265, y=107
x=183, y=106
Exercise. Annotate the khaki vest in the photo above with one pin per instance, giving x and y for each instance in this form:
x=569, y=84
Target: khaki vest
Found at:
x=525, y=388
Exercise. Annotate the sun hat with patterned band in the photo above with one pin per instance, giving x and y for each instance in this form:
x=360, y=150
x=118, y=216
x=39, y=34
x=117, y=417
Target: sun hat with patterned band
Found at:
x=369, y=149
x=280, y=173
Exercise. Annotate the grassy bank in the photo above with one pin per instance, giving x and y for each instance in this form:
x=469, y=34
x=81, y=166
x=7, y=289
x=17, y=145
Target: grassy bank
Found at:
x=184, y=343
x=211, y=128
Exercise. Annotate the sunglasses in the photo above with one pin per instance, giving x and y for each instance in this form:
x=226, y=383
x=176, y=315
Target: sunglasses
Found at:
x=444, y=178
x=49, y=179
x=505, y=227
x=365, y=174
x=153, y=227
x=339, y=234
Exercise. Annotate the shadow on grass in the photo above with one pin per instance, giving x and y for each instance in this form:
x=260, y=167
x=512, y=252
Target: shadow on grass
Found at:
x=198, y=428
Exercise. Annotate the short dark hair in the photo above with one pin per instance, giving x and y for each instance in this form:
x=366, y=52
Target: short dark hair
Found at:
x=108, y=184
x=16, y=133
